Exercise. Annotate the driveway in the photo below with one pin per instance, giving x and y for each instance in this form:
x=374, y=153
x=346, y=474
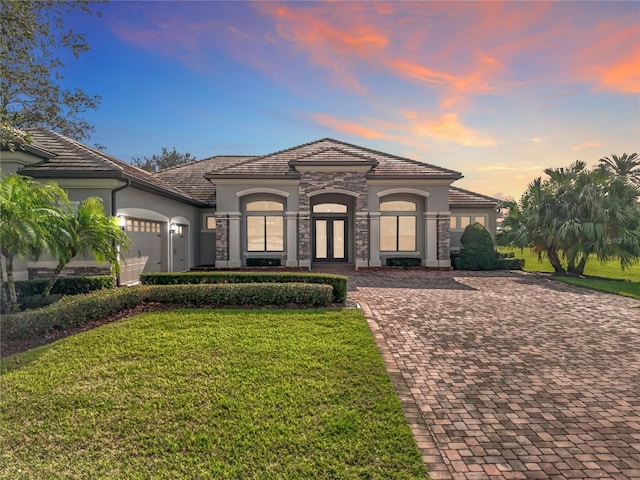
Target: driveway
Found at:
x=510, y=375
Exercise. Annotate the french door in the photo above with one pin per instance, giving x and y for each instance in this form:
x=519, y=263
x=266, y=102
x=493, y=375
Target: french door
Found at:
x=330, y=239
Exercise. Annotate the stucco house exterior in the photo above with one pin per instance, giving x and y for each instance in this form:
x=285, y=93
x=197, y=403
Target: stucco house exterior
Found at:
x=324, y=202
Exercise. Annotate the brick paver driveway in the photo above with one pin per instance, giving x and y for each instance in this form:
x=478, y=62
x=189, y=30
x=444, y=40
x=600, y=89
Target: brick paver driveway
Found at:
x=510, y=375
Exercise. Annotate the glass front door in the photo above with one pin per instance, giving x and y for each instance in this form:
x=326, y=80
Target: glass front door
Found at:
x=330, y=239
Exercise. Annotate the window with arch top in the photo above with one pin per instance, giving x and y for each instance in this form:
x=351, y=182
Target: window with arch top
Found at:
x=398, y=221
x=265, y=226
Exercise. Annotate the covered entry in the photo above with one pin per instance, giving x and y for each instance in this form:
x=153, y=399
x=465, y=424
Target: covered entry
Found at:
x=330, y=232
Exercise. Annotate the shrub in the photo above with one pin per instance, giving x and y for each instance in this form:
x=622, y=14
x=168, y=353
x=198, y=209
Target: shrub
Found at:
x=80, y=309
x=264, y=262
x=477, y=252
x=65, y=285
x=403, y=262
x=337, y=282
x=509, y=264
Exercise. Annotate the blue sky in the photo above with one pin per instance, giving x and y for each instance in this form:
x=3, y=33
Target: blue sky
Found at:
x=496, y=90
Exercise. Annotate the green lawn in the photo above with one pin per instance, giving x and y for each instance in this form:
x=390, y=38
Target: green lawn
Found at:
x=612, y=278
x=610, y=269
x=207, y=394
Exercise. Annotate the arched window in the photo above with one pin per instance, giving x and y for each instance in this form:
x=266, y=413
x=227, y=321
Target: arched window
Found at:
x=329, y=208
x=265, y=226
x=398, y=226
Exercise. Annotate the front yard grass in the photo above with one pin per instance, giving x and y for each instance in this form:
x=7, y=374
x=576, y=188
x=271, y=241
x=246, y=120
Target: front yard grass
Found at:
x=207, y=394
x=605, y=277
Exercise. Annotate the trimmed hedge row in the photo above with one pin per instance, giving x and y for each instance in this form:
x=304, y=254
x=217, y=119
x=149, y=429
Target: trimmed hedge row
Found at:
x=65, y=285
x=403, y=262
x=80, y=309
x=500, y=263
x=337, y=282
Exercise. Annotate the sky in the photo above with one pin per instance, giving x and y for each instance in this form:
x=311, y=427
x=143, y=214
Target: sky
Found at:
x=496, y=90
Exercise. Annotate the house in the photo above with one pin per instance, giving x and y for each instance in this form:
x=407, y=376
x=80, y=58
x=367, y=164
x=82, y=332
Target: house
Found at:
x=324, y=202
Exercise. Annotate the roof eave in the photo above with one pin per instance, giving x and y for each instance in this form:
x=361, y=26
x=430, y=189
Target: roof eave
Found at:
x=234, y=176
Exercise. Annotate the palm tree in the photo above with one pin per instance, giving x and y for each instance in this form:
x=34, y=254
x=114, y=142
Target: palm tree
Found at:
x=577, y=212
x=625, y=166
x=87, y=231
x=27, y=211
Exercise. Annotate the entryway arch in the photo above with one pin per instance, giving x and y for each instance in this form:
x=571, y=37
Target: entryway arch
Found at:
x=332, y=222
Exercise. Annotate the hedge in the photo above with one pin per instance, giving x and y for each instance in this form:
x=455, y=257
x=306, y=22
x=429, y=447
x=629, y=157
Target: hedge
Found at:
x=65, y=285
x=337, y=282
x=264, y=262
x=403, y=262
x=80, y=309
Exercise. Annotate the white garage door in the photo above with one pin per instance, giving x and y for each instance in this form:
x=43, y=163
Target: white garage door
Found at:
x=146, y=241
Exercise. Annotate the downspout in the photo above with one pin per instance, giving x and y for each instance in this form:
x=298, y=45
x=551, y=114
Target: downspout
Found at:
x=114, y=209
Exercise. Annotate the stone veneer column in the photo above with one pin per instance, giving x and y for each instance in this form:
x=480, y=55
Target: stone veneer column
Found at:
x=304, y=239
x=374, y=239
x=362, y=239
x=444, y=239
x=431, y=239
x=222, y=240
x=292, y=239
x=234, y=240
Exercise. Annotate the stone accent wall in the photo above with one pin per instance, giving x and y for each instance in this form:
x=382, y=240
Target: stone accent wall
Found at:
x=304, y=237
x=222, y=238
x=311, y=182
x=362, y=237
x=36, y=273
x=444, y=240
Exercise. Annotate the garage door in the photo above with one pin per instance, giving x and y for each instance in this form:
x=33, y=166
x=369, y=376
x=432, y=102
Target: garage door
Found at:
x=146, y=241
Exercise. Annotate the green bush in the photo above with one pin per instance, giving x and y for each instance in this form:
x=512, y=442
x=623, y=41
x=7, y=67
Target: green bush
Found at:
x=337, y=282
x=509, y=263
x=80, y=309
x=65, y=285
x=403, y=262
x=477, y=250
x=264, y=262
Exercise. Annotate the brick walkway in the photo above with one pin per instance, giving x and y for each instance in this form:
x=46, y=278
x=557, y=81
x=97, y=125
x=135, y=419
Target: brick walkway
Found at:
x=510, y=375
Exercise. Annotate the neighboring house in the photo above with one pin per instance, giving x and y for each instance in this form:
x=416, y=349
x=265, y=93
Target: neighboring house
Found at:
x=324, y=202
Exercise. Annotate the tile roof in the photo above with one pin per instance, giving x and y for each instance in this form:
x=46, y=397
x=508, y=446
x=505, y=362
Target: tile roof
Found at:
x=459, y=197
x=278, y=163
x=75, y=160
x=189, y=177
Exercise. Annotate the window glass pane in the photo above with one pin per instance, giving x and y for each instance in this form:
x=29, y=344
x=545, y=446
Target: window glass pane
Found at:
x=407, y=234
x=321, y=238
x=275, y=234
x=265, y=206
x=464, y=222
x=388, y=233
x=329, y=208
x=255, y=234
x=211, y=223
x=480, y=220
x=338, y=239
x=135, y=225
x=452, y=223
x=398, y=206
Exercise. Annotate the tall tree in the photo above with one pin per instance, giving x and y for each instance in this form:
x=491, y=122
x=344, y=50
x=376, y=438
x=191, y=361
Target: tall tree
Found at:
x=627, y=166
x=87, y=231
x=576, y=213
x=168, y=158
x=33, y=39
x=27, y=211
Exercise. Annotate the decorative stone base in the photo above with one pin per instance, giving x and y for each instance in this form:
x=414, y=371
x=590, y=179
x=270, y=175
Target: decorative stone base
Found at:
x=361, y=263
x=44, y=272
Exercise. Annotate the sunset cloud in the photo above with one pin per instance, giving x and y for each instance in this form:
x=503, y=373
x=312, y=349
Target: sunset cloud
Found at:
x=347, y=127
x=587, y=146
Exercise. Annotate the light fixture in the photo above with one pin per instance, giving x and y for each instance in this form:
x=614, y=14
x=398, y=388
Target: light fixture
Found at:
x=122, y=222
x=173, y=228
